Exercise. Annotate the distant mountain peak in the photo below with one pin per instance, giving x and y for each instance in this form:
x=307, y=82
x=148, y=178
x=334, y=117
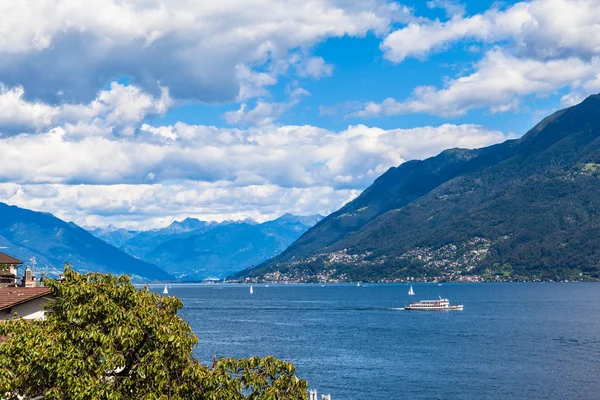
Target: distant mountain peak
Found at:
x=187, y=225
x=53, y=241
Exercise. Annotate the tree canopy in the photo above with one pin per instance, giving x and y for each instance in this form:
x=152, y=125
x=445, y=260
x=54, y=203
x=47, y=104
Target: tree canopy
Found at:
x=104, y=339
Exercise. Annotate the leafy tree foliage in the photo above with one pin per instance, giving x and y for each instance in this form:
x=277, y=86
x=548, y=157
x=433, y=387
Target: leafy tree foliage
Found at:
x=104, y=339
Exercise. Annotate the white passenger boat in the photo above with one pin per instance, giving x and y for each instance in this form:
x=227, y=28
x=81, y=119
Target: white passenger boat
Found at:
x=434, y=305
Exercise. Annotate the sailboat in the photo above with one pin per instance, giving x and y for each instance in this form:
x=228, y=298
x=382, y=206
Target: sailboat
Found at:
x=411, y=291
x=251, y=290
x=165, y=290
x=357, y=283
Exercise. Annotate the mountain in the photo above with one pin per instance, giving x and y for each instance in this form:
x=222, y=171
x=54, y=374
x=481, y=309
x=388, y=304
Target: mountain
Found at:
x=523, y=209
x=113, y=235
x=25, y=234
x=194, y=249
x=187, y=225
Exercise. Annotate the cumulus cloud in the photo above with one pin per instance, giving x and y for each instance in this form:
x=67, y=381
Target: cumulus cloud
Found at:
x=18, y=115
x=498, y=83
x=263, y=113
x=315, y=67
x=67, y=49
x=538, y=29
x=156, y=205
x=118, y=109
x=451, y=7
x=287, y=156
x=170, y=171
x=534, y=48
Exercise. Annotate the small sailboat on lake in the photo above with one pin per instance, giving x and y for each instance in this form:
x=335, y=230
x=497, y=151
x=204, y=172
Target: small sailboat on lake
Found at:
x=165, y=290
x=251, y=290
x=411, y=291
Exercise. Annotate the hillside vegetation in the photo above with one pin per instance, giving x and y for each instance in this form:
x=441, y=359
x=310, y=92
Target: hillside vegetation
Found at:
x=522, y=209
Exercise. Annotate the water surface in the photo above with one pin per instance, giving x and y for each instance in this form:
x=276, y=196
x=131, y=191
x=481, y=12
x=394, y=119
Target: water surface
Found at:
x=512, y=341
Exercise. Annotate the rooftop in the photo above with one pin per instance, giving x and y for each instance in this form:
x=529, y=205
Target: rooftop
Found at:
x=6, y=259
x=13, y=296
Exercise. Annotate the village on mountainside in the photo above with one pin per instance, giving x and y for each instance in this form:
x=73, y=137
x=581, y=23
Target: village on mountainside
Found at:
x=449, y=263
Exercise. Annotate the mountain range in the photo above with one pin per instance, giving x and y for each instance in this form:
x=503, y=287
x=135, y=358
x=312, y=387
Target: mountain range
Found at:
x=524, y=209
x=190, y=249
x=52, y=241
x=194, y=250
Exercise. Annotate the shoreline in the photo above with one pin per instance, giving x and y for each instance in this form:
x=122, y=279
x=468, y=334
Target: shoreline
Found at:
x=289, y=283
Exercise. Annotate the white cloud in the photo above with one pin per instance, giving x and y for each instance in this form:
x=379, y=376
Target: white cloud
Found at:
x=156, y=205
x=252, y=83
x=264, y=112
x=538, y=29
x=499, y=82
x=171, y=171
x=18, y=115
x=119, y=109
x=194, y=48
x=588, y=87
x=451, y=7
x=315, y=67
x=550, y=35
x=287, y=156
x=539, y=48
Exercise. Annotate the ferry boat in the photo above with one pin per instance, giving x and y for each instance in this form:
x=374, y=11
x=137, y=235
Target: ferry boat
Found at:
x=434, y=305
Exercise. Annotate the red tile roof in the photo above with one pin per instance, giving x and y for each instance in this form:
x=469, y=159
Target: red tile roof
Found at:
x=13, y=296
x=6, y=259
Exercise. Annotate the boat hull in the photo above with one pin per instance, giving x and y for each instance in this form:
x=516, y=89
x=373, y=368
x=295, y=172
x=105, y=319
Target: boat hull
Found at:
x=449, y=308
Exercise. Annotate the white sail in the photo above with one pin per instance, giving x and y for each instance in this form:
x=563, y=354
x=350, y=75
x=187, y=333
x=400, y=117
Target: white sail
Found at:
x=165, y=290
x=251, y=290
x=411, y=292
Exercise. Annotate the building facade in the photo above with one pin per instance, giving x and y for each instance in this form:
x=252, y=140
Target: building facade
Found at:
x=26, y=302
x=20, y=295
x=8, y=270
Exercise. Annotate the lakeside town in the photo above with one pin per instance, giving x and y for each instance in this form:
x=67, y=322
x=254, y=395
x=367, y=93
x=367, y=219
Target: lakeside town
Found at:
x=449, y=263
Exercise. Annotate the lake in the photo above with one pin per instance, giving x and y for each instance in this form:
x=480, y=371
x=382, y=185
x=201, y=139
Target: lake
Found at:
x=512, y=341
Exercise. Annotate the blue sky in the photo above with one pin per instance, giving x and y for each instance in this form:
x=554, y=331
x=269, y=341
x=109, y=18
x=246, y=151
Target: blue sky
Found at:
x=361, y=74
x=135, y=113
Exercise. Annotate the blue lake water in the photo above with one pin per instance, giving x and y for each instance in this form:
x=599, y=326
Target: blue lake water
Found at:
x=512, y=341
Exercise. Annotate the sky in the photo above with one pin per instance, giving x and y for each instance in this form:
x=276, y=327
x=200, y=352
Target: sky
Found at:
x=136, y=113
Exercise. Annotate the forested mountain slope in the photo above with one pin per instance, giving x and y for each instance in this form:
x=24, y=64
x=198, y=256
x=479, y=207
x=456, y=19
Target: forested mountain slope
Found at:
x=526, y=208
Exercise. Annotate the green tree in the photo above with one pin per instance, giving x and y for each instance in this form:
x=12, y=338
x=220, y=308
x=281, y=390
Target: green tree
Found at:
x=104, y=339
